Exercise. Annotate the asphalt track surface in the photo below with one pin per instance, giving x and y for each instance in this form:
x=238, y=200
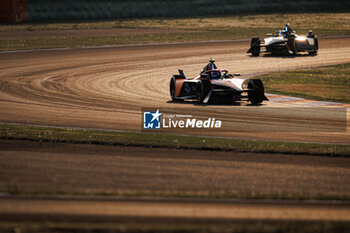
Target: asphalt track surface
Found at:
x=106, y=88
x=54, y=168
x=112, y=209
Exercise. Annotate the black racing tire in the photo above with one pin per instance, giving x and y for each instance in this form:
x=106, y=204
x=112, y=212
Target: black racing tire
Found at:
x=255, y=46
x=316, y=43
x=315, y=46
x=200, y=92
x=256, y=92
x=202, y=89
x=292, y=46
x=172, y=90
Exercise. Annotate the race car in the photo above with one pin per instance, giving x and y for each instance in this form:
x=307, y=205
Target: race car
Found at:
x=285, y=42
x=216, y=85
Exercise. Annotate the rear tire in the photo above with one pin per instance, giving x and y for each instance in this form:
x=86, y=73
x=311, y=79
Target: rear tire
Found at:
x=255, y=46
x=256, y=92
x=172, y=91
x=315, y=46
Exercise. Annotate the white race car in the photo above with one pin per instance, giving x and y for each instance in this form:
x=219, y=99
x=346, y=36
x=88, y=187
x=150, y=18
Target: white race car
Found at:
x=216, y=84
x=284, y=42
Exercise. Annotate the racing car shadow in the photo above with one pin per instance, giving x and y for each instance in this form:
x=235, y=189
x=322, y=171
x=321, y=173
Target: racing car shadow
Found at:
x=217, y=103
x=214, y=103
x=286, y=55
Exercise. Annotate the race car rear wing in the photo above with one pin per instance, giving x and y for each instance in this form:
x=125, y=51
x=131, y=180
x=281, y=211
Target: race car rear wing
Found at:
x=181, y=72
x=181, y=75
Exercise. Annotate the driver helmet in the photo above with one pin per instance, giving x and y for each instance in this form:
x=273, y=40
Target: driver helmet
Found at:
x=287, y=24
x=309, y=33
x=211, y=60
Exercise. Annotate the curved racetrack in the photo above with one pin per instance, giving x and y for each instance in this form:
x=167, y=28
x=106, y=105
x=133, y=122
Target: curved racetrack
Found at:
x=107, y=87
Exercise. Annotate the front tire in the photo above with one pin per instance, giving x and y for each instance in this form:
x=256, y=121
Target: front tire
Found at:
x=292, y=46
x=256, y=92
x=200, y=92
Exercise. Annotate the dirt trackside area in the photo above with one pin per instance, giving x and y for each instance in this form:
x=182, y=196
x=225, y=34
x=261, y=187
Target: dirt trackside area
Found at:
x=62, y=168
x=129, y=189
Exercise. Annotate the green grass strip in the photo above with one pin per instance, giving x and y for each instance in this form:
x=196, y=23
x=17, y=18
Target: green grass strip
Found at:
x=159, y=140
x=299, y=22
x=327, y=83
x=77, y=42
